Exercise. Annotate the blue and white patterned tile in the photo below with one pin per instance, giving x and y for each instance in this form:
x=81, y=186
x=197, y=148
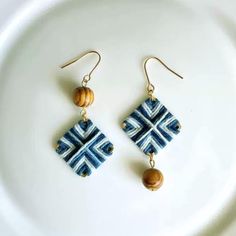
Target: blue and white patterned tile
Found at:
x=84, y=147
x=151, y=126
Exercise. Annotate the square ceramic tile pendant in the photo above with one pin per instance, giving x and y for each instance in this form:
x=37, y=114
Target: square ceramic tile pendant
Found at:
x=84, y=147
x=151, y=126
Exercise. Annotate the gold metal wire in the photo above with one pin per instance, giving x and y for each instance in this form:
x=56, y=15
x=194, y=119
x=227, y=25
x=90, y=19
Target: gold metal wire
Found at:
x=87, y=77
x=150, y=87
x=151, y=160
x=84, y=114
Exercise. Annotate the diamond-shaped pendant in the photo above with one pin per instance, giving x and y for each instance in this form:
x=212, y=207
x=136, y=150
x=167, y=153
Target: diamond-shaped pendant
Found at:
x=151, y=126
x=84, y=147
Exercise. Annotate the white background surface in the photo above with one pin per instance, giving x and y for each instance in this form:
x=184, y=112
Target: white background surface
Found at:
x=34, y=190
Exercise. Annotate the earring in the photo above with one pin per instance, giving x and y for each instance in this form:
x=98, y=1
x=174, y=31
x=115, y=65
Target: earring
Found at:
x=151, y=126
x=84, y=147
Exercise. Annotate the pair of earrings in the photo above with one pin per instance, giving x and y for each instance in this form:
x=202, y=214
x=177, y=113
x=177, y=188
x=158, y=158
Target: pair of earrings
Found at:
x=151, y=126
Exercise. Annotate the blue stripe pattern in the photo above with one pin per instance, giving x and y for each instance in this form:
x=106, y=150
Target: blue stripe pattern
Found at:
x=84, y=147
x=151, y=126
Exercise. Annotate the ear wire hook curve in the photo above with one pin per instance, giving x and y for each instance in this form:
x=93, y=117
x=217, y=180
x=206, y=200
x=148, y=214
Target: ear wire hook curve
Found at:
x=87, y=77
x=150, y=86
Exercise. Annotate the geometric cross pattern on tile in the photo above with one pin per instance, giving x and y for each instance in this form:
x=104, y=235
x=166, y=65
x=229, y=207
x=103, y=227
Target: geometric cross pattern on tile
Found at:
x=151, y=126
x=84, y=147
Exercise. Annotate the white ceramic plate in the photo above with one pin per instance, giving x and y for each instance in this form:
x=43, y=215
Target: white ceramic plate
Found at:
x=40, y=195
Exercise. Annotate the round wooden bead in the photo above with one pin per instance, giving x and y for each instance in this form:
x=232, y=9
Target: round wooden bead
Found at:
x=83, y=96
x=152, y=179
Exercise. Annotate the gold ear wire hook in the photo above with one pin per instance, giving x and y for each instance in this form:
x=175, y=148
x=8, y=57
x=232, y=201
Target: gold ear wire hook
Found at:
x=88, y=76
x=150, y=86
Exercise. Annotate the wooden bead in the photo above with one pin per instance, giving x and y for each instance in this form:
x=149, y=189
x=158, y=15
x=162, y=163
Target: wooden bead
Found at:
x=152, y=179
x=83, y=96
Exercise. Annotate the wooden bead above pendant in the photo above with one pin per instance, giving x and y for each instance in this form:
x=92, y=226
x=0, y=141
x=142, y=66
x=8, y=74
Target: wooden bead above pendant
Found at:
x=83, y=96
x=152, y=179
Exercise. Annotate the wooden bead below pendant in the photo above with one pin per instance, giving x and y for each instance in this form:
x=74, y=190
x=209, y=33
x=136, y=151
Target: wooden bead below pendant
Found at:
x=152, y=179
x=83, y=96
